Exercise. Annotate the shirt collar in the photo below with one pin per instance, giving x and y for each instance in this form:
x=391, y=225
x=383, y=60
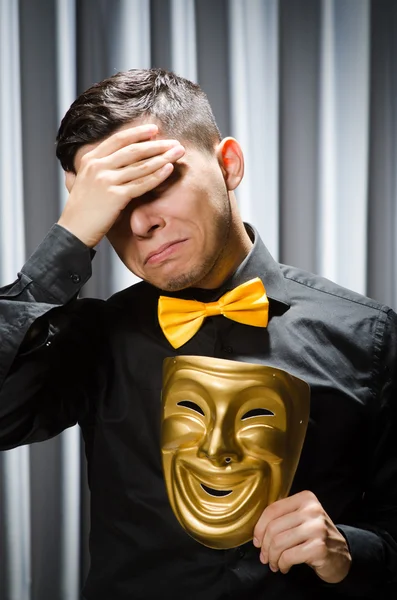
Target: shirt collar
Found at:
x=258, y=263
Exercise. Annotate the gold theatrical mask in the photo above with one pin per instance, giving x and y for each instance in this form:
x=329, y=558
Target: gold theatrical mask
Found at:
x=232, y=434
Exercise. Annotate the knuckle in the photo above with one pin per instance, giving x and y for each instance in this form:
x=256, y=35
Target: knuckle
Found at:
x=138, y=181
x=145, y=168
x=316, y=529
x=90, y=165
x=140, y=185
x=311, y=506
x=87, y=156
x=270, y=512
x=277, y=542
x=102, y=177
x=132, y=152
x=309, y=496
x=86, y=160
x=159, y=176
x=118, y=191
x=271, y=530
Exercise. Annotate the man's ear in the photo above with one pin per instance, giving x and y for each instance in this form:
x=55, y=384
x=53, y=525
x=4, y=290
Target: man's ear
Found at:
x=231, y=160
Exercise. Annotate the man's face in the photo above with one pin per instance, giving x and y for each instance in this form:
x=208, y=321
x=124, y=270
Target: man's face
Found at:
x=176, y=236
x=231, y=440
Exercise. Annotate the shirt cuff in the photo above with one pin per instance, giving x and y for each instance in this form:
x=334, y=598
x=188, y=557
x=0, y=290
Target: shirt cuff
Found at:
x=61, y=265
x=367, y=569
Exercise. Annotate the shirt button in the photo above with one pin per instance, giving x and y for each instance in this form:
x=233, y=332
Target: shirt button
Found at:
x=227, y=349
x=240, y=552
x=75, y=277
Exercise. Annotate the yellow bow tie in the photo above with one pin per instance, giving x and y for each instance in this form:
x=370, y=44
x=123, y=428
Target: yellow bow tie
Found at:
x=181, y=319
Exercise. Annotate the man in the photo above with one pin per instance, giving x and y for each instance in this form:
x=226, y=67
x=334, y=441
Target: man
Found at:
x=145, y=165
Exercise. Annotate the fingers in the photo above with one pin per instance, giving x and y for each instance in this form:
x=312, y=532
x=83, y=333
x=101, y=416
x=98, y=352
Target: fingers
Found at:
x=280, y=508
x=289, y=547
x=137, y=152
x=299, y=554
x=125, y=166
x=132, y=161
x=297, y=530
x=123, y=138
x=287, y=528
x=129, y=146
x=147, y=167
x=139, y=187
x=279, y=533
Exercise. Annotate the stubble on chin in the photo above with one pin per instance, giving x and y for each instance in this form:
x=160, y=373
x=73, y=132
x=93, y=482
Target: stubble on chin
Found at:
x=186, y=280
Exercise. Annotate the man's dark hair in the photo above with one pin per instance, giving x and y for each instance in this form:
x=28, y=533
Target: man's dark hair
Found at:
x=178, y=106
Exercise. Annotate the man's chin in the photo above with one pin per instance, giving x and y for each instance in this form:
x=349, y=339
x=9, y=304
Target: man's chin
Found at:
x=168, y=279
x=173, y=282
x=174, y=285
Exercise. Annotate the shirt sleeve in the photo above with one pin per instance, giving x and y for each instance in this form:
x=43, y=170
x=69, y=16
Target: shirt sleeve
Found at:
x=373, y=539
x=44, y=333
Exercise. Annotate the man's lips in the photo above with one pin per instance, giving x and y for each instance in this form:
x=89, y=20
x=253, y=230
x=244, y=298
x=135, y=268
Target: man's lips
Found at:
x=163, y=251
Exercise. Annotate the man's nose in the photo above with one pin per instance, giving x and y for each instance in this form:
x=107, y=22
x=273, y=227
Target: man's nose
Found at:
x=145, y=218
x=220, y=447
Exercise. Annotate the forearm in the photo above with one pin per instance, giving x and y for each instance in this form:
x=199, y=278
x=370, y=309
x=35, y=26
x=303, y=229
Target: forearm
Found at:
x=43, y=334
x=51, y=277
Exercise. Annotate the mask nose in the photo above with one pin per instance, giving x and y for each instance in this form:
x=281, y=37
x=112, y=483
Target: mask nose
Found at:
x=220, y=447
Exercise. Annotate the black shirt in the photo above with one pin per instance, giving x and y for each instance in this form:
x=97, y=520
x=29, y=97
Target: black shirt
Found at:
x=99, y=364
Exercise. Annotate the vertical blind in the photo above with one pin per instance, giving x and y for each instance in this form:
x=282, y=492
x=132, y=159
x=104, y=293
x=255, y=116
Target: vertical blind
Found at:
x=308, y=87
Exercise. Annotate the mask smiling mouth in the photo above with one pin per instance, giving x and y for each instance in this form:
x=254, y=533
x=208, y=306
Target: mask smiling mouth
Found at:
x=217, y=493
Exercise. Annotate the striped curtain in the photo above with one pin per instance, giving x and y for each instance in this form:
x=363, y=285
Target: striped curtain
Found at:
x=309, y=88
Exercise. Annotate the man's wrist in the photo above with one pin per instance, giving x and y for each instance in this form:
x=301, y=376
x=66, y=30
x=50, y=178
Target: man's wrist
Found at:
x=77, y=233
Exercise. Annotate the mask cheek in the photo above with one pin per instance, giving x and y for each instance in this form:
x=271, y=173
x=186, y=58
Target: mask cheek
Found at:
x=181, y=431
x=263, y=442
x=270, y=446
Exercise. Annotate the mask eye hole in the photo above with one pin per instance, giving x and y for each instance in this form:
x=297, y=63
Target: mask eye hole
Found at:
x=257, y=412
x=192, y=406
